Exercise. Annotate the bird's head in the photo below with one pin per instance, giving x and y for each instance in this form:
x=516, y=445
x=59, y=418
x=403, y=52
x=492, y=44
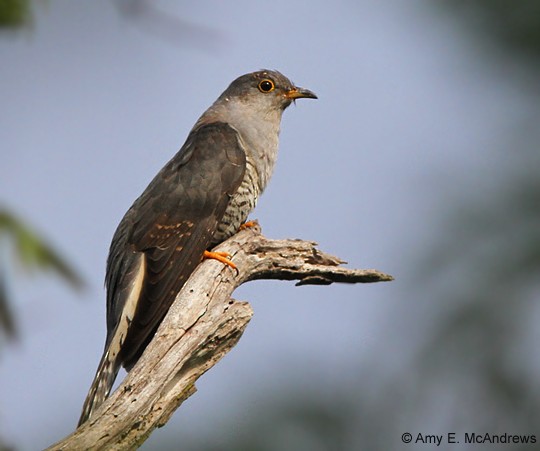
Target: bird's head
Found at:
x=265, y=90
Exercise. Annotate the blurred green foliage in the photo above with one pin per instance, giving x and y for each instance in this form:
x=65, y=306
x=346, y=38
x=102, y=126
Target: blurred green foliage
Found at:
x=33, y=253
x=514, y=23
x=14, y=13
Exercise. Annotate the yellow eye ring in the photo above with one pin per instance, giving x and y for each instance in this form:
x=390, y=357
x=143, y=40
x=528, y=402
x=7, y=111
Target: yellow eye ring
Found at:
x=266, y=85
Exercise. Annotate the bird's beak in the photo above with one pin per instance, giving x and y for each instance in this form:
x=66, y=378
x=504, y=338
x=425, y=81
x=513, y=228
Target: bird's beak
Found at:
x=300, y=93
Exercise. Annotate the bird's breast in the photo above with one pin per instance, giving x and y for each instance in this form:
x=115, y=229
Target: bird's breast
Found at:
x=241, y=203
x=260, y=142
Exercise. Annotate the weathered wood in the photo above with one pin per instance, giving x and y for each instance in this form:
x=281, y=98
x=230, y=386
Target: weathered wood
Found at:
x=203, y=324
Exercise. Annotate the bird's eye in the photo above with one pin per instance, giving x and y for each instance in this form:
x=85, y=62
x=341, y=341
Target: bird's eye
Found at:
x=266, y=85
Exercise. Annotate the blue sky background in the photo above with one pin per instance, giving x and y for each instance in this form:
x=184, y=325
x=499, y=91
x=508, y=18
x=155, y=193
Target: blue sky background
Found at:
x=409, y=122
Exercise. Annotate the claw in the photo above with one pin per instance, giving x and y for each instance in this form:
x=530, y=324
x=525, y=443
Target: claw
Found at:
x=223, y=257
x=247, y=225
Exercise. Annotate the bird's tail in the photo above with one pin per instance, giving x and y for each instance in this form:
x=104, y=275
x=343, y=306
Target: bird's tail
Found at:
x=102, y=384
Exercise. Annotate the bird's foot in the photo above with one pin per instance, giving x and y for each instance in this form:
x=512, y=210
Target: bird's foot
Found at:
x=223, y=257
x=247, y=225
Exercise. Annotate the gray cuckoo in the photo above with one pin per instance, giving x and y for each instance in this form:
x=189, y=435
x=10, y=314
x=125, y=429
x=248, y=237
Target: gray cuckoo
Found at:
x=201, y=197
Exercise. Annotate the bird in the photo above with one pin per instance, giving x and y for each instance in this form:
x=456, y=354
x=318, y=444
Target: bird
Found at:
x=201, y=197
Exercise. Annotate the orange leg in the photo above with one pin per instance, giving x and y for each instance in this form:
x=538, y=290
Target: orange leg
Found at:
x=247, y=225
x=223, y=257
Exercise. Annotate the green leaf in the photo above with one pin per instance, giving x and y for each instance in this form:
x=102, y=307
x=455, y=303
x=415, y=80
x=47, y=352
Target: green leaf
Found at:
x=14, y=13
x=34, y=252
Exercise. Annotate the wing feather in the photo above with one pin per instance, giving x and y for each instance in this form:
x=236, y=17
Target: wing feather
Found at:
x=172, y=223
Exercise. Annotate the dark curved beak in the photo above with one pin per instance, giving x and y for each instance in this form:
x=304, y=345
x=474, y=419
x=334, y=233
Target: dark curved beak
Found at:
x=300, y=93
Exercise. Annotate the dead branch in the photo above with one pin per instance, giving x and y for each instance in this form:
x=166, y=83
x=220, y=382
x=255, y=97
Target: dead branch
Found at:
x=203, y=324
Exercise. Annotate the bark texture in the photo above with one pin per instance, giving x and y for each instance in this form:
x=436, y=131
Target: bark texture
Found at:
x=203, y=324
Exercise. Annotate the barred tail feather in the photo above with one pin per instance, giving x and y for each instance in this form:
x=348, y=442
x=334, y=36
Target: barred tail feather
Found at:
x=101, y=386
x=111, y=360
